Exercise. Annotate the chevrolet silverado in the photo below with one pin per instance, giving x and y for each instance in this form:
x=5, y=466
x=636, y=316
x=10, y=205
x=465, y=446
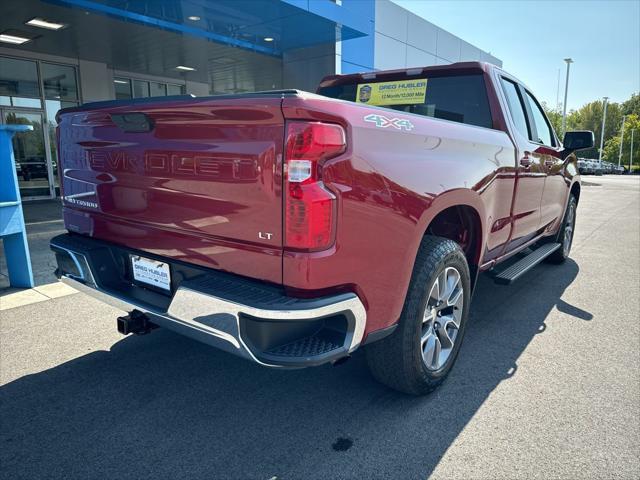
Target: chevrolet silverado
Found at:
x=292, y=228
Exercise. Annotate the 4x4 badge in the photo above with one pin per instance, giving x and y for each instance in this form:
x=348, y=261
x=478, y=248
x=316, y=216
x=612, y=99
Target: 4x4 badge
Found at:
x=384, y=122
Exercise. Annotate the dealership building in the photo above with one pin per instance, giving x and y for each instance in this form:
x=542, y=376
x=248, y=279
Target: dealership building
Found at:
x=60, y=53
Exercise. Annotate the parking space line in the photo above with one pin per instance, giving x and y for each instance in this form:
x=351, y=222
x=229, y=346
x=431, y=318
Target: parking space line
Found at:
x=55, y=290
x=42, y=293
x=60, y=220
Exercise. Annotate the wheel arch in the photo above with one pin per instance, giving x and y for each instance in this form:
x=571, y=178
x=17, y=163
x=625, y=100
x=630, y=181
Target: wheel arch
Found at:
x=464, y=209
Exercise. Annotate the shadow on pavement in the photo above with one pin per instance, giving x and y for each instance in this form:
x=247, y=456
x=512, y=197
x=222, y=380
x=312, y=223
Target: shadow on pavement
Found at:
x=162, y=406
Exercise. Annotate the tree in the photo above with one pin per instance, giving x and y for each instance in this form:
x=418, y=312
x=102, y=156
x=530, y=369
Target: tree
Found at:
x=554, y=116
x=612, y=147
x=632, y=106
x=589, y=117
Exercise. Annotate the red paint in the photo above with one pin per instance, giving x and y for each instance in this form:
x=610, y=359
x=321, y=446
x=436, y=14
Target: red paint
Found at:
x=199, y=187
x=208, y=179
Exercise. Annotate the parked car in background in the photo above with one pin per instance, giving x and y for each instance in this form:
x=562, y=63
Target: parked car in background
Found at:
x=32, y=168
x=597, y=168
x=590, y=166
x=292, y=228
x=584, y=166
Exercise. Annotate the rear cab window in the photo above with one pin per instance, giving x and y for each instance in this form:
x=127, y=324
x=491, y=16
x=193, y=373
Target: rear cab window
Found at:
x=458, y=98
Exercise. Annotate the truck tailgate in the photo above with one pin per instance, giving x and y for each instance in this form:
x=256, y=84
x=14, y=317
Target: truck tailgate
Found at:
x=196, y=180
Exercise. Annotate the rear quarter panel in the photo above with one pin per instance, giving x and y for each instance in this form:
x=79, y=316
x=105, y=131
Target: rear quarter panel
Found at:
x=390, y=184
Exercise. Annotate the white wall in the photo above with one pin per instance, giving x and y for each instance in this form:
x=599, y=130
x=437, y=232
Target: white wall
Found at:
x=403, y=39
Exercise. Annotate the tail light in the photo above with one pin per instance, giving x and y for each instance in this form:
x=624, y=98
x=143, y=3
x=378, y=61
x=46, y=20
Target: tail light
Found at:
x=309, y=206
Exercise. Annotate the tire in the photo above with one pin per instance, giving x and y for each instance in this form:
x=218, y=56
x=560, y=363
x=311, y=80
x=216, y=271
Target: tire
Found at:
x=406, y=360
x=565, y=233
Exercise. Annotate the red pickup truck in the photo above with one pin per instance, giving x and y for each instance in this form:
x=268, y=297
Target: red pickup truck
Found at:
x=293, y=228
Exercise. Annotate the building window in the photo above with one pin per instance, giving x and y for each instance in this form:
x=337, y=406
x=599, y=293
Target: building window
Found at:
x=123, y=88
x=19, y=86
x=140, y=89
x=44, y=88
x=175, y=89
x=126, y=88
x=157, y=89
x=59, y=82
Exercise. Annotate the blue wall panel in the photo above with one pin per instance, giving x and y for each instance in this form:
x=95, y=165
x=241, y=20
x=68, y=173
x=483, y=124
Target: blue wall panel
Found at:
x=12, y=229
x=357, y=53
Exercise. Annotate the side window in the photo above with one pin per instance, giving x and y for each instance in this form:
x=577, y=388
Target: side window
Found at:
x=515, y=106
x=542, y=126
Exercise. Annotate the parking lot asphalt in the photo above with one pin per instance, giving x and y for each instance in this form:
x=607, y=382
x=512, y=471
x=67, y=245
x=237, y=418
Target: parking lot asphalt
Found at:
x=547, y=385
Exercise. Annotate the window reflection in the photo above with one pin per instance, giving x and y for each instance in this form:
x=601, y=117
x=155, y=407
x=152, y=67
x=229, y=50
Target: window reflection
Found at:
x=19, y=90
x=59, y=81
x=126, y=88
x=158, y=89
x=122, y=88
x=18, y=78
x=140, y=88
x=30, y=154
x=52, y=107
x=175, y=89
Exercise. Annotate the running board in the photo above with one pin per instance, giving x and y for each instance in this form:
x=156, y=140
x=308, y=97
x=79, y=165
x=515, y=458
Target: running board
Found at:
x=522, y=266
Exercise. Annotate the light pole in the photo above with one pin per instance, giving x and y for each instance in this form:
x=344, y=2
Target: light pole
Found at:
x=558, y=92
x=604, y=120
x=566, y=89
x=631, y=151
x=624, y=117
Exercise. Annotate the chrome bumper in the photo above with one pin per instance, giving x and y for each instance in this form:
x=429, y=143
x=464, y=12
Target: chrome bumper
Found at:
x=196, y=312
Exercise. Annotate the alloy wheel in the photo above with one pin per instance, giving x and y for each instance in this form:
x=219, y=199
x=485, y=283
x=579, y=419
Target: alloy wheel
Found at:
x=441, y=319
x=568, y=229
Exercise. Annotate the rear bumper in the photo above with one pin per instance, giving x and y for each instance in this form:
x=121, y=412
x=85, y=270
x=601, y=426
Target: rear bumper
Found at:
x=250, y=319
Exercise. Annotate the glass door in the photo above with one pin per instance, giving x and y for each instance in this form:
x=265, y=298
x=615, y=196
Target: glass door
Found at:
x=32, y=153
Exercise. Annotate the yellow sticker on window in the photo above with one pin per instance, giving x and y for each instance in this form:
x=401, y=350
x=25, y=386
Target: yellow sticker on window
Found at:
x=402, y=92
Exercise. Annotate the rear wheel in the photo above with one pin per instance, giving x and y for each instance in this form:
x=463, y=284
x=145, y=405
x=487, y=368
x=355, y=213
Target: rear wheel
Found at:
x=419, y=355
x=565, y=234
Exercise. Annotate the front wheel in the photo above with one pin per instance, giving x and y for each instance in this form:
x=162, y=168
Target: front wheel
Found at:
x=419, y=355
x=565, y=234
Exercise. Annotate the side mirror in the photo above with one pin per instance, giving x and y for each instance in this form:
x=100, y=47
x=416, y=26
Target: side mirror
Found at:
x=578, y=140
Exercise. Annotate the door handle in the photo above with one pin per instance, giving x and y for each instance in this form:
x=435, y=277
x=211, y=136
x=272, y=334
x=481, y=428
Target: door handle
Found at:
x=526, y=160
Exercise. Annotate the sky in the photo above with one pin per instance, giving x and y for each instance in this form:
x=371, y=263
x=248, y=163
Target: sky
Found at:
x=533, y=37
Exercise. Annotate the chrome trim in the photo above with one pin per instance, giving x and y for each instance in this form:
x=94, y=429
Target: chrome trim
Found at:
x=190, y=308
x=188, y=304
x=86, y=276
x=127, y=306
